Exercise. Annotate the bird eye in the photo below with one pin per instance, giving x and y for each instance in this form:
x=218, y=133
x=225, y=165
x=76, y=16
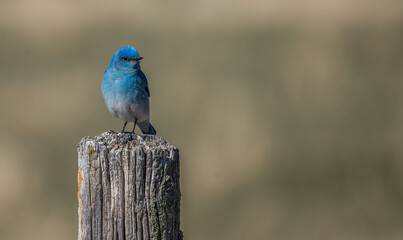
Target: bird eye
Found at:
x=125, y=58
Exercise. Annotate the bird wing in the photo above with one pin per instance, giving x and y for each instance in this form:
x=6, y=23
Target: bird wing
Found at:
x=143, y=77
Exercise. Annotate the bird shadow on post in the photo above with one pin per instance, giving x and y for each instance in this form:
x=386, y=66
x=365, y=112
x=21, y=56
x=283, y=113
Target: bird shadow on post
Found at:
x=128, y=187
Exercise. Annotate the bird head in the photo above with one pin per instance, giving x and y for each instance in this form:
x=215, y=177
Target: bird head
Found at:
x=126, y=58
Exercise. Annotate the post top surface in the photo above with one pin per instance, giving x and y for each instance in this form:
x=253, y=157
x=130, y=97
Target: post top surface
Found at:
x=112, y=138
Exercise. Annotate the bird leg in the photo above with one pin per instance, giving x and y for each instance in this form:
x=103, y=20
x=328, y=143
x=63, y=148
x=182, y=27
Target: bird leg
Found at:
x=124, y=126
x=135, y=122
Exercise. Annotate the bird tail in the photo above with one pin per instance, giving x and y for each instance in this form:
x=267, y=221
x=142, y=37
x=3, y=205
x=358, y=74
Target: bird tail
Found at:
x=147, y=128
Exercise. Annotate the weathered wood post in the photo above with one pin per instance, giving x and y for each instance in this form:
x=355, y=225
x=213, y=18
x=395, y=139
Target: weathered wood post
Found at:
x=128, y=187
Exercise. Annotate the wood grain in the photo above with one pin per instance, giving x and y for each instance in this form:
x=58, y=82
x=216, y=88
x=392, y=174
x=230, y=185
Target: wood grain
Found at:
x=128, y=187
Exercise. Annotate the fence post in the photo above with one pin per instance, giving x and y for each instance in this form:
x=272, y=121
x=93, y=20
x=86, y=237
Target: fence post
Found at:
x=128, y=188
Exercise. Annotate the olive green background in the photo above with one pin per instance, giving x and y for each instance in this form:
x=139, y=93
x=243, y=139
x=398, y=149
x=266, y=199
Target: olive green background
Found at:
x=288, y=114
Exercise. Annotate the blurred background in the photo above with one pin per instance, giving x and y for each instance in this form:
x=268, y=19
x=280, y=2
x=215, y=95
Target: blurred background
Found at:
x=288, y=114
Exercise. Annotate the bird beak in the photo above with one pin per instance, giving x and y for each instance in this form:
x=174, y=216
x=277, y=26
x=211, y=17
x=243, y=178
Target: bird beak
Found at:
x=138, y=58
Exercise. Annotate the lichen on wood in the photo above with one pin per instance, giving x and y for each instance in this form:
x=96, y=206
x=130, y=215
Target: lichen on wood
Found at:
x=128, y=187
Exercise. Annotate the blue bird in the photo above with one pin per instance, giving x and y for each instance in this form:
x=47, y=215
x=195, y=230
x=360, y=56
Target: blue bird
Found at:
x=125, y=90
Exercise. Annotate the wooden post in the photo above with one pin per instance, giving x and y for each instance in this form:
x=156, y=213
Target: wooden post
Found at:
x=128, y=187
